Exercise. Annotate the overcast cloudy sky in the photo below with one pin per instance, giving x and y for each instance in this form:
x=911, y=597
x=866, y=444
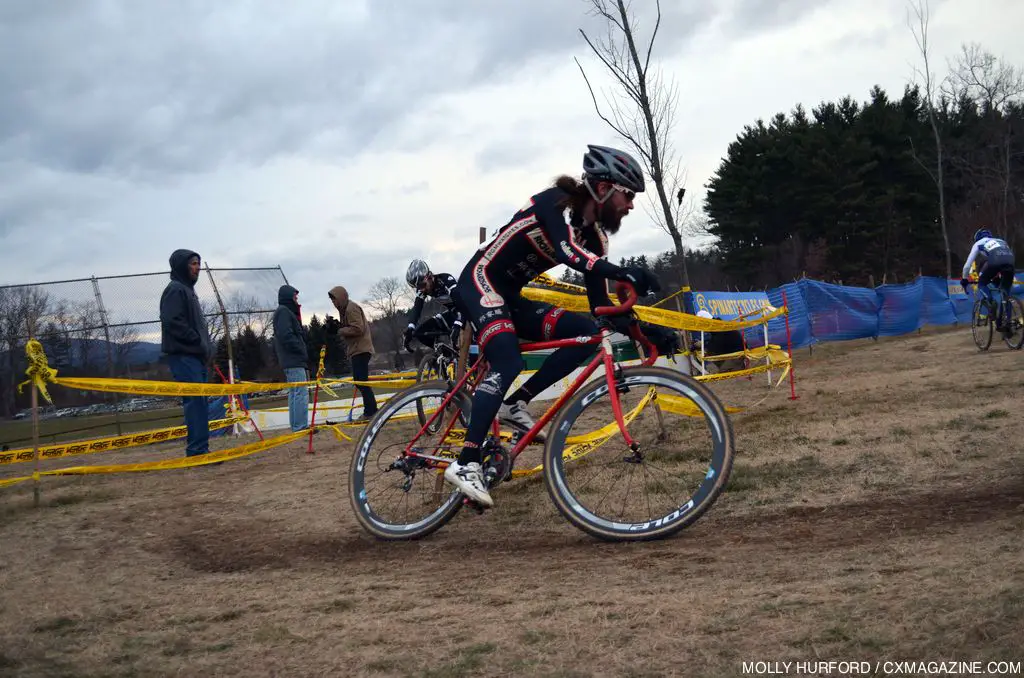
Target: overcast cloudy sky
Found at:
x=340, y=138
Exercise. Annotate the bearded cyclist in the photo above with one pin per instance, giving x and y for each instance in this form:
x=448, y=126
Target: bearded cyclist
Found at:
x=431, y=286
x=488, y=294
x=999, y=263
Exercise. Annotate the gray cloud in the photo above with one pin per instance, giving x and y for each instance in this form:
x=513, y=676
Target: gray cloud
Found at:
x=755, y=16
x=417, y=187
x=140, y=88
x=121, y=119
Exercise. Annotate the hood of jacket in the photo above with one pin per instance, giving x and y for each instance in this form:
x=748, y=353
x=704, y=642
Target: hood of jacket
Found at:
x=179, y=266
x=340, y=295
x=286, y=297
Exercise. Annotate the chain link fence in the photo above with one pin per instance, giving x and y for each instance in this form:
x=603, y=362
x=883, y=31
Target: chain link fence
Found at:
x=110, y=327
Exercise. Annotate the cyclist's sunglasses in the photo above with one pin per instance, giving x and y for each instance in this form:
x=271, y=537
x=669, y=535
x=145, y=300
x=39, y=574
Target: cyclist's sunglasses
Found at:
x=628, y=194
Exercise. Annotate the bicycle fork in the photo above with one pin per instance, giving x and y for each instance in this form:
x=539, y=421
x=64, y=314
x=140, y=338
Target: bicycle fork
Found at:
x=613, y=373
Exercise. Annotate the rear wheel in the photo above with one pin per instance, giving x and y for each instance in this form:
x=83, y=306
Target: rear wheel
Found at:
x=981, y=327
x=1015, y=338
x=395, y=495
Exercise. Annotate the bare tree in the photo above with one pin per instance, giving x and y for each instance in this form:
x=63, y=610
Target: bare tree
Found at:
x=919, y=29
x=642, y=111
x=21, y=310
x=389, y=298
x=214, y=319
x=995, y=87
x=124, y=339
x=981, y=76
x=249, y=311
x=87, y=325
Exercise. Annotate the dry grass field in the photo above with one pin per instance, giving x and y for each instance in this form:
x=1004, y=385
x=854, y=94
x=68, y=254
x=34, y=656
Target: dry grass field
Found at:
x=878, y=517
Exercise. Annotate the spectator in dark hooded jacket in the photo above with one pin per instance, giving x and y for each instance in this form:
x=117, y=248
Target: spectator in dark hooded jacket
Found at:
x=185, y=340
x=290, y=347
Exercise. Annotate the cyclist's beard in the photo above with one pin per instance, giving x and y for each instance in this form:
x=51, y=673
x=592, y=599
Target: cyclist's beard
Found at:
x=609, y=218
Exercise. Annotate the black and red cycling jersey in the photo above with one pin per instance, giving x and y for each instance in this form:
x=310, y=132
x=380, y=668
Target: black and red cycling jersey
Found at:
x=536, y=240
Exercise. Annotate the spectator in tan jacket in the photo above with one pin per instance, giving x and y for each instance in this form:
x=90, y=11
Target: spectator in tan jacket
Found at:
x=355, y=330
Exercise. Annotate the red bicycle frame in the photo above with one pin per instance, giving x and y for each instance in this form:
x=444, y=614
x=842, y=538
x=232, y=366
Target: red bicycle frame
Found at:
x=627, y=295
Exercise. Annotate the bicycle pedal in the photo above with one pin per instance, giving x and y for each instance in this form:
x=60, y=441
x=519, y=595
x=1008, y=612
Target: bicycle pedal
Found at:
x=479, y=508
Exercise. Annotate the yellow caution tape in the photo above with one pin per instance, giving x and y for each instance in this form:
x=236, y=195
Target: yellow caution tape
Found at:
x=38, y=371
x=657, y=316
x=121, y=442
x=548, y=281
x=169, y=464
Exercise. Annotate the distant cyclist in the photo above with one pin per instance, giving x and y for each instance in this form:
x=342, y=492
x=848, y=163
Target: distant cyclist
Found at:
x=999, y=264
x=431, y=286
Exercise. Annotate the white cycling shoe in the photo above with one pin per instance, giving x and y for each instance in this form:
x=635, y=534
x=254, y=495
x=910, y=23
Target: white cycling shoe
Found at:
x=516, y=416
x=469, y=478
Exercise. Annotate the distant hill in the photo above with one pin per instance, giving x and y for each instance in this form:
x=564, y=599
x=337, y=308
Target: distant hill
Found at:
x=96, y=353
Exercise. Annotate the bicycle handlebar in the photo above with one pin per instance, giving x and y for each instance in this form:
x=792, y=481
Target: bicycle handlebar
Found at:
x=627, y=298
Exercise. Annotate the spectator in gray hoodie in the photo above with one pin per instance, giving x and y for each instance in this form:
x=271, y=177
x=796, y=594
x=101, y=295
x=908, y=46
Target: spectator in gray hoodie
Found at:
x=290, y=347
x=185, y=341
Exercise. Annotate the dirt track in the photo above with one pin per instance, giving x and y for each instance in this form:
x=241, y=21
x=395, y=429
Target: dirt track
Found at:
x=877, y=517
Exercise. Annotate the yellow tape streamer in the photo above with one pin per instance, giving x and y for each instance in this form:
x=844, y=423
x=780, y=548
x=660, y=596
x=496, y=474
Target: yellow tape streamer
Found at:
x=172, y=388
x=38, y=371
x=658, y=316
x=168, y=464
x=675, y=294
x=395, y=383
x=582, y=445
x=548, y=281
x=121, y=442
x=320, y=373
x=338, y=433
x=722, y=376
x=686, y=407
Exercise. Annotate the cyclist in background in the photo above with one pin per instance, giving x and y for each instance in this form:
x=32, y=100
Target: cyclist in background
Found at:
x=431, y=286
x=999, y=263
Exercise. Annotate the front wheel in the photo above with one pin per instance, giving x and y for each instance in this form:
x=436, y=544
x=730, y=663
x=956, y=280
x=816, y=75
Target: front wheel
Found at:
x=981, y=326
x=682, y=464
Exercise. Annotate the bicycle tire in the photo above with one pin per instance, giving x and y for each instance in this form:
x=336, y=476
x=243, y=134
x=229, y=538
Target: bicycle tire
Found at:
x=358, y=497
x=982, y=332
x=701, y=500
x=427, y=372
x=1016, y=340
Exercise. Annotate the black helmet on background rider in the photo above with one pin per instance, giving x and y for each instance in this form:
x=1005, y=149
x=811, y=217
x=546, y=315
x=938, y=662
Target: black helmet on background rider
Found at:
x=601, y=163
x=982, y=233
x=416, y=273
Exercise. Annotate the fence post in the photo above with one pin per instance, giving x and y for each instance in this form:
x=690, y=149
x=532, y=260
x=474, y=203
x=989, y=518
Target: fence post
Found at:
x=36, y=489
x=281, y=271
x=110, y=351
x=789, y=348
x=227, y=334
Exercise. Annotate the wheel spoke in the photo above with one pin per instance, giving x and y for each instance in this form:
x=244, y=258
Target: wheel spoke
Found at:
x=681, y=457
x=401, y=501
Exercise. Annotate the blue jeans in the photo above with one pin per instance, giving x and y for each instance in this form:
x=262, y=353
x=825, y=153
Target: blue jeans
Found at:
x=298, y=399
x=189, y=368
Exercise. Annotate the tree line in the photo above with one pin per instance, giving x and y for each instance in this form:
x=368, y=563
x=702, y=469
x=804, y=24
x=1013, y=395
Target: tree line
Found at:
x=849, y=192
